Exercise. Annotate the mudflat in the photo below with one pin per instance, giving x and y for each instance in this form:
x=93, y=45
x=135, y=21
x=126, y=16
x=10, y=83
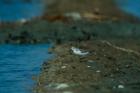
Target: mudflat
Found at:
x=112, y=66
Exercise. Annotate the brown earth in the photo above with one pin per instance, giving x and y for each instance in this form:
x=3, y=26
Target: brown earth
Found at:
x=102, y=7
x=62, y=6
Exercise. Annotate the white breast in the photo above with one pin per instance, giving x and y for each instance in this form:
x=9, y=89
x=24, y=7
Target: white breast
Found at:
x=78, y=51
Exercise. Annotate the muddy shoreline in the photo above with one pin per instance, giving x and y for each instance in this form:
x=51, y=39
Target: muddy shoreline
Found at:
x=107, y=69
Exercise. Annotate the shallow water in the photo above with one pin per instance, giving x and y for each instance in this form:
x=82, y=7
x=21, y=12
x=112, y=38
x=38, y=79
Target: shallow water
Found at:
x=12, y=10
x=18, y=63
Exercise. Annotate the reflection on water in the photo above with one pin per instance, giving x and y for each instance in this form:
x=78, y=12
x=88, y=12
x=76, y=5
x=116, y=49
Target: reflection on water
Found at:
x=11, y=10
x=130, y=6
x=18, y=63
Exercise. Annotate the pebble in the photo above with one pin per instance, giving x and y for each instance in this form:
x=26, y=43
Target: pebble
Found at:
x=90, y=61
x=98, y=71
x=67, y=92
x=88, y=66
x=120, y=86
x=63, y=67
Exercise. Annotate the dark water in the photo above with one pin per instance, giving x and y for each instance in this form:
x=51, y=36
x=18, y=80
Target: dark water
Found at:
x=18, y=63
x=130, y=6
x=11, y=10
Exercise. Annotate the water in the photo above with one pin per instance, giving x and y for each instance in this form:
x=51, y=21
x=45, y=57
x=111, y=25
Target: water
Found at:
x=130, y=6
x=18, y=63
x=13, y=10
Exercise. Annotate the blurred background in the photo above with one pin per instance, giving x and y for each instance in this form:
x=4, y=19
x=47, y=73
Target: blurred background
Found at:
x=19, y=9
x=11, y=10
x=29, y=27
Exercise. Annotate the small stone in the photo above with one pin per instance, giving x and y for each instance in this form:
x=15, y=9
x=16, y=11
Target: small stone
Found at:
x=88, y=66
x=120, y=86
x=63, y=67
x=67, y=92
x=114, y=87
x=117, y=69
x=127, y=66
x=105, y=55
x=98, y=71
x=90, y=61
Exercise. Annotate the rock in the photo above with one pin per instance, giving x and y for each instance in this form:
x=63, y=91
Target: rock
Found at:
x=120, y=86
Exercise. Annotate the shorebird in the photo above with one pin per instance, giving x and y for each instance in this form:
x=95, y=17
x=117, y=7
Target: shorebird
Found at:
x=77, y=51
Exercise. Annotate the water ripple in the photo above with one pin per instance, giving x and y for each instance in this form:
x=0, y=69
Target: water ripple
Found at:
x=18, y=63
